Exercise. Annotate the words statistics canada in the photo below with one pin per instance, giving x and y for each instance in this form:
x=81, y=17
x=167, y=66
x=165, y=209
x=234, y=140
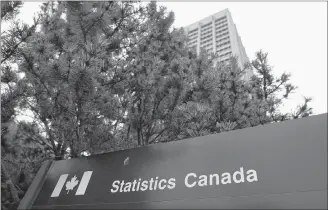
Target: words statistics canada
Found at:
x=191, y=180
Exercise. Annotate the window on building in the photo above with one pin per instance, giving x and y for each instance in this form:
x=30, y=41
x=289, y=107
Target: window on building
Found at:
x=222, y=35
x=208, y=24
x=220, y=19
x=193, y=31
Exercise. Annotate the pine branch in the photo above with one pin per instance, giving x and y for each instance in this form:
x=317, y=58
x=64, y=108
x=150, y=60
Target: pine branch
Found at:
x=9, y=8
x=276, y=88
x=99, y=18
x=158, y=135
x=13, y=50
x=30, y=65
x=52, y=143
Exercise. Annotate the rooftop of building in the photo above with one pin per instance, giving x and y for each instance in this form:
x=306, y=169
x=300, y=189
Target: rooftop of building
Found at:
x=208, y=19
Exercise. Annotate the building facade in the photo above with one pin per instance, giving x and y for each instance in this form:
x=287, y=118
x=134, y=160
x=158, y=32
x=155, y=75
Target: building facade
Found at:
x=218, y=34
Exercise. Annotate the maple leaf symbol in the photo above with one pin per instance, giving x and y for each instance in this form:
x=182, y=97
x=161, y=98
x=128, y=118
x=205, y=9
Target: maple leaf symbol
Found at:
x=71, y=184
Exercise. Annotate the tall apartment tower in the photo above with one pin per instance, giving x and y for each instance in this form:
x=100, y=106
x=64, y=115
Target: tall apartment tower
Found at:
x=218, y=33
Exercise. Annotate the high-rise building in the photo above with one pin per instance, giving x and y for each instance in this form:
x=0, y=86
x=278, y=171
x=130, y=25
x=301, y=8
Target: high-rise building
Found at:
x=218, y=34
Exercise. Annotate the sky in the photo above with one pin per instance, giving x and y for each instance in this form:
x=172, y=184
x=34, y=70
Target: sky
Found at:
x=294, y=34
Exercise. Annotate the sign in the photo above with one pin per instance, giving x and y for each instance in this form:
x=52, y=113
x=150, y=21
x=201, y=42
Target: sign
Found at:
x=279, y=165
x=190, y=180
x=82, y=187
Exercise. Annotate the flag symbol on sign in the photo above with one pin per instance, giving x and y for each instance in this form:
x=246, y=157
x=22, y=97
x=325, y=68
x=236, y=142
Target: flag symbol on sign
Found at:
x=71, y=184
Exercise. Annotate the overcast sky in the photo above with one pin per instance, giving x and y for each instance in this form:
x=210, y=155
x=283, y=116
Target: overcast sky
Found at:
x=293, y=33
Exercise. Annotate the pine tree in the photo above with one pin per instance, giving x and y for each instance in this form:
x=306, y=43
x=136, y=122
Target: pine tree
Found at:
x=15, y=169
x=274, y=90
x=159, y=70
x=220, y=101
x=73, y=67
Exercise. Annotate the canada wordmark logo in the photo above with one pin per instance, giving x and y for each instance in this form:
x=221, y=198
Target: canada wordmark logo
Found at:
x=72, y=183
